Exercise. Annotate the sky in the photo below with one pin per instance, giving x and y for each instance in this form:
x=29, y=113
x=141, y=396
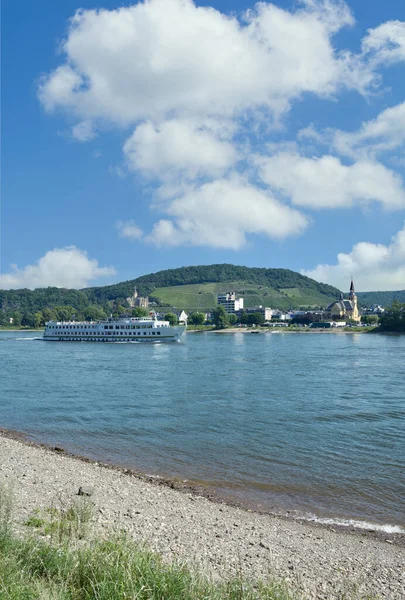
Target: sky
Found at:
x=144, y=136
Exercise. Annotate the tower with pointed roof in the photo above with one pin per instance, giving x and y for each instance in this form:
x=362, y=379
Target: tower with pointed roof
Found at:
x=345, y=308
x=353, y=299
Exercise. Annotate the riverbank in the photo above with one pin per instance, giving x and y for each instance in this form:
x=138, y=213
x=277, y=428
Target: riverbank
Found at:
x=264, y=330
x=39, y=329
x=221, y=539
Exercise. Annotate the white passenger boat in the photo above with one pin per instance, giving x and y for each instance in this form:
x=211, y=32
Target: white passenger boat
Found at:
x=122, y=329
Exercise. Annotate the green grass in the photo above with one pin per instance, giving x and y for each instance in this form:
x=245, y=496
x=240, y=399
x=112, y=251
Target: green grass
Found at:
x=204, y=296
x=60, y=558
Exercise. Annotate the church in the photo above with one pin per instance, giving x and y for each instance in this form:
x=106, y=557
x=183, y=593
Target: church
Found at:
x=346, y=309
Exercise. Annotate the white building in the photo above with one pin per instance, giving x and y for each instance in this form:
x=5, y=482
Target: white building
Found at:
x=263, y=310
x=230, y=302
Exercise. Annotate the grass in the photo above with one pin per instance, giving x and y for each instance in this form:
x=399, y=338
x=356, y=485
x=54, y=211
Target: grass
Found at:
x=204, y=296
x=60, y=558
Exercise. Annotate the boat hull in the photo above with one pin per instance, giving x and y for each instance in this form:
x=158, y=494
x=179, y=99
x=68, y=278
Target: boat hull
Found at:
x=117, y=341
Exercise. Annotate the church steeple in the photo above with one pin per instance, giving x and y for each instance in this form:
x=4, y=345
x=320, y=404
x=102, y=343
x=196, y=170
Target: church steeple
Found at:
x=353, y=298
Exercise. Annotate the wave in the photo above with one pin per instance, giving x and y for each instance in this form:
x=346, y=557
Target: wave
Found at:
x=19, y=339
x=357, y=524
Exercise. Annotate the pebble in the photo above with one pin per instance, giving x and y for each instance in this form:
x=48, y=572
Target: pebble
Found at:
x=317, y=562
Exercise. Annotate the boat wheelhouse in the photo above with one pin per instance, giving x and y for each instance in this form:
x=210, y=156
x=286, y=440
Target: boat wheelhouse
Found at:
x=122, y=329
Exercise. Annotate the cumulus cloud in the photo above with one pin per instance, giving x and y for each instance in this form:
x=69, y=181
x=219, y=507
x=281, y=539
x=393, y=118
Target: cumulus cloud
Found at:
x=327, y=183
x=222, y=213
x=374, y=266
x=67, y=267
x=384, y=133
x=129, y=229
x=196, y=86
x=385, y=44
x=170, y=57
x=181, y=148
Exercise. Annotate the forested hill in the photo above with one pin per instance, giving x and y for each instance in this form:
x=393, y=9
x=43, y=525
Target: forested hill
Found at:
x=382, y=298
x=275, y=278
x=278, y=288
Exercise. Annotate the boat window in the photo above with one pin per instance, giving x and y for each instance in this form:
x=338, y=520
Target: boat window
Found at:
x=158, y=333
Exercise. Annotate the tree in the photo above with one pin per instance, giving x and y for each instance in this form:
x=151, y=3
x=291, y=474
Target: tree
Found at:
x=233, y=319
x=94, y=313
x=393, y=319
x=171, y=317
x=48, y=314
x=243, y=318
x=370, y=319
x=17, y=317
x=64, y=313
x=197, y=318
x=256, y=318
x=38, y=320
x=28, y=320
x=139, y=312
x=220, y=318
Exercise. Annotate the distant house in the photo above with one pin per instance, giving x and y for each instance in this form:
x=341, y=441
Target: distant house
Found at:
x=266, y=312
x=230, y=302
x=374, y=309
x=181, y=315
x=279, y=315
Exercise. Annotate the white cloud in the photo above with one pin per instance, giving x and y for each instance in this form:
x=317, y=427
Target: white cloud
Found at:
x=189, y=81
x=385, y=44
x=67, y=267
x=129, y=229
x=222, y=213
x=165, y=58
x=181, y=148
x=384, y=133
x=327, y=183
x=373, y=266
x=83, y=131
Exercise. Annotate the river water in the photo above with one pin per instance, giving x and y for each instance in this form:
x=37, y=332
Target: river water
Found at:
x=313, y=424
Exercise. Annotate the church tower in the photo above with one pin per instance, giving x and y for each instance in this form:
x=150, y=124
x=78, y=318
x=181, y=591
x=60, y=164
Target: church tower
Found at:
x=353, y=299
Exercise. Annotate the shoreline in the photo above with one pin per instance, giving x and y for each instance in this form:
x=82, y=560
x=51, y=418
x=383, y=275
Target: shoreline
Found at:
x=266, y=330
x=316, y=561
x=198, y=489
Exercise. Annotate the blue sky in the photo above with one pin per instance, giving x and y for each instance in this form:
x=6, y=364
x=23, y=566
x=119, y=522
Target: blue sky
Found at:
x=140, y=137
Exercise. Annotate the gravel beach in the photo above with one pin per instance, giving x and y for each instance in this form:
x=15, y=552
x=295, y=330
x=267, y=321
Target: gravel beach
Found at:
x=221, y=539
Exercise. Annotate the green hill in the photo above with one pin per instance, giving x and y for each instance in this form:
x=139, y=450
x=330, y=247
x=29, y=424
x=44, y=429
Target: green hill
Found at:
x=204, y=296
x=382, y=298
x=186, y=287
x=196, y=287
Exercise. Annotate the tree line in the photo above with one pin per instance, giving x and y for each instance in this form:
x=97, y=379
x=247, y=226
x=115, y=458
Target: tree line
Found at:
x=393, y=319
